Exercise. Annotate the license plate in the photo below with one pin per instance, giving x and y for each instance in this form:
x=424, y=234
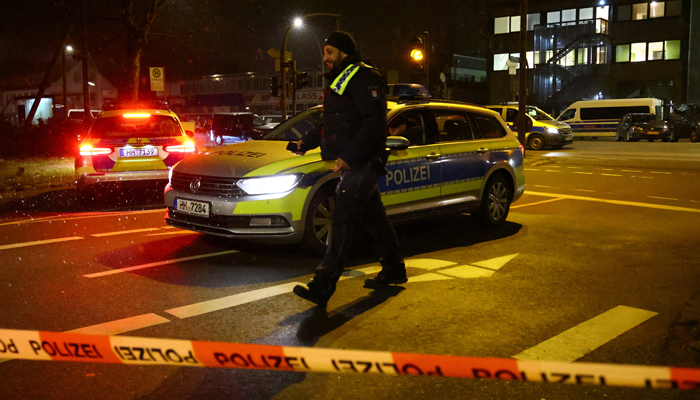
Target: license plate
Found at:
x=652, y=133
x=199, y=208
x=139, y=152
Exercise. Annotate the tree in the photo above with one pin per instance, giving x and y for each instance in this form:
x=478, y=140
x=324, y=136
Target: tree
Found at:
x=137, y=23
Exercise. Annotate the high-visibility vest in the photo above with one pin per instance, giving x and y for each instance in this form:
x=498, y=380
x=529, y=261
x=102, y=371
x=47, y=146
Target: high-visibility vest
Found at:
x=341, y=81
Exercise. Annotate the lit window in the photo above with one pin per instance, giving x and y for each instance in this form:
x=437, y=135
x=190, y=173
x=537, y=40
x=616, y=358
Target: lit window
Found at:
x=656, y=9
x=656, y=51
x=585, y=13
x=515, y=24
x=530, y=57
x=568, y=15
x=501, y=25
x=639, y=52
x=553, y=17
x=673, y=50
x=639, y=11
x=532, y=20
x=622, y=53
x=499, y=62
x=602, y=12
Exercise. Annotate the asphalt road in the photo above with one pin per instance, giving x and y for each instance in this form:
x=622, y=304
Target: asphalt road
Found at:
x=596, y=264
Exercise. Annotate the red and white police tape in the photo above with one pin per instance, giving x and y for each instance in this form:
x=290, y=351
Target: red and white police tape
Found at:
x=54, y=346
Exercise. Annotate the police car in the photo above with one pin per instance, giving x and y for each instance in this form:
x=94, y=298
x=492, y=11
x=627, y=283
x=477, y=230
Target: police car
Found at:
x=545, y=131
x=445, y=157
x=130, y=145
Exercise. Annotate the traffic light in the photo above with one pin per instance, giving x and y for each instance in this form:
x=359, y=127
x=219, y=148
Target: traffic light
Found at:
x=275, y=86
x=302, y=80
x=417, y=53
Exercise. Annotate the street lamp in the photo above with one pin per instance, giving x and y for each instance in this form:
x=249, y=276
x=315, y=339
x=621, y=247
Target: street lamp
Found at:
x=68, y=49
x=298, y=22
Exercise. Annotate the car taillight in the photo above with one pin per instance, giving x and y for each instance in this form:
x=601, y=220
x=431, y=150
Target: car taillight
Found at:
x=522, y=149
x=187, y=147
x=88, y=150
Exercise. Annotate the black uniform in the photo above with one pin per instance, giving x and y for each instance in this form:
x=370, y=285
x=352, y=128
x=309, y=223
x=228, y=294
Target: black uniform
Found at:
x=355, y=131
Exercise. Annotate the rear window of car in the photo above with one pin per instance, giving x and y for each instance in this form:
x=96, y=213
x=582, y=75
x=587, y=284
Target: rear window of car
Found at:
x=119, y=126
x=644, y=118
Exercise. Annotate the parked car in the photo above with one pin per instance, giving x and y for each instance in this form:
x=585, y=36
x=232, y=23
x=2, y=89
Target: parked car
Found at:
x=635, y=126
x=272, y=120
x=684, y=122
x=236, y=127
x=130, y=146
x=450, y=157
x=544, y=130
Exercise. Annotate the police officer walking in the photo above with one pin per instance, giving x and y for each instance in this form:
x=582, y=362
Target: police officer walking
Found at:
x=354, y=135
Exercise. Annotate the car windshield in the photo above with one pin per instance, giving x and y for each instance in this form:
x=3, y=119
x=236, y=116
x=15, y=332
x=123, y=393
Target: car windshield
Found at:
x=120, y=126
x=250, y=119
x=538, y=114
x=298, y=126
x=644, y=118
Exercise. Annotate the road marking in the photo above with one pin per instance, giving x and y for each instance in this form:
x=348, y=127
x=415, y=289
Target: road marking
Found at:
x=583, y=173
x=610, y=175
x=574, y=167
x=174, y=233
x=630, y=170
x=664, y=173
x=542, y=186
x=467, y=271
x=495, y=263
x=618, y=202
x=584, y=190
x=429, y=264
x=535, y=203
x=230, y=301
x=606, y=169
x=122, y=325
x=550, y=170
x=359, y=272
x=580, y=340
x=428, y=277
x=157, y=264
x=92, y=215
x=38, y=242
x=124, y=232
x=643, y=177
x=661, y=198
x=530, y=169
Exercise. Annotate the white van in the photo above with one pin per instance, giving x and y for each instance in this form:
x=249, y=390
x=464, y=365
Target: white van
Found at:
x=599, y=118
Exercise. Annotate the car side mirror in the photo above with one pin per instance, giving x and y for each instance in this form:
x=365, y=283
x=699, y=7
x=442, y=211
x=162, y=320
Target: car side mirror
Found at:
x=189, y=134
x=397, y=143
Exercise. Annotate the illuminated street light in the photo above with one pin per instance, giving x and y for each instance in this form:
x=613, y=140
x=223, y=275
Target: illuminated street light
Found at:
x=68, y=49
x=298, y=22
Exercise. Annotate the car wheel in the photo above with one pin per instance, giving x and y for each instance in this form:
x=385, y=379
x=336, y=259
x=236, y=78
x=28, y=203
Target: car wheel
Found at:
x=650, y=140
x=672, y=137
x=495, y=203
x=318, y=224
x=218, y=140
x=694, y=137
x=618, y=137
x=535, y=142
x=665, y=138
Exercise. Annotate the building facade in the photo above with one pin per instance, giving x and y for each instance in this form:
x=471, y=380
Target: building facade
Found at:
x=579, y=49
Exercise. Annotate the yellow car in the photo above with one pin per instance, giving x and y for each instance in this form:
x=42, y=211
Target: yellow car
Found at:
x=545, y=131
x=445, y=157
x=133, y=146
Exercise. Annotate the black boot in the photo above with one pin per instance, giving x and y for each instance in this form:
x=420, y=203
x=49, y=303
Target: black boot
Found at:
x=384, y=279
x=315, y=293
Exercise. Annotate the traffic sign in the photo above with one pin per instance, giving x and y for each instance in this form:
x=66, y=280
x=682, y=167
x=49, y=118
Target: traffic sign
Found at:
x=157, y=75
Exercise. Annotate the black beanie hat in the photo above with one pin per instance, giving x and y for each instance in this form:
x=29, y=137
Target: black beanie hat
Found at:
x=342, y=41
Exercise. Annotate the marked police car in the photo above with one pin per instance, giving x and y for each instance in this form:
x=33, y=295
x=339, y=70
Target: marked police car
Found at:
x=545, y=131
x=445, y=157
x=134, y=146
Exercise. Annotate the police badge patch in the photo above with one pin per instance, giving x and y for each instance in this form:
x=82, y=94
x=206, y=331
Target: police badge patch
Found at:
x=374, y=92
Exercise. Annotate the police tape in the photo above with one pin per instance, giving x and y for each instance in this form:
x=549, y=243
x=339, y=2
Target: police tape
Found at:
x=54, y=346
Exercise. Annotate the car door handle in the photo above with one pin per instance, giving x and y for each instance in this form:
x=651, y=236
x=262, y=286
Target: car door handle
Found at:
x=433, y=156
x=482, y=150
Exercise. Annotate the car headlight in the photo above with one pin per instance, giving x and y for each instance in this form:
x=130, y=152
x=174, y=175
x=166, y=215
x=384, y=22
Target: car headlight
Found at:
x=269, y=184
x=637, y=128
x=552, y=129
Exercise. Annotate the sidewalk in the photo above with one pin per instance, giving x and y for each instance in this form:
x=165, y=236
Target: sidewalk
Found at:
x=24, y=180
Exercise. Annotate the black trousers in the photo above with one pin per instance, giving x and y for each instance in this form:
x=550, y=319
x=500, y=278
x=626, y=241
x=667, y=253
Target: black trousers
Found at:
x=358, y=208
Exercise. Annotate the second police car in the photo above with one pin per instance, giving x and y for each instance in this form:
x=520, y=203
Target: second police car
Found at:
x=130, y=145
x=545, y=130
x=445, y=157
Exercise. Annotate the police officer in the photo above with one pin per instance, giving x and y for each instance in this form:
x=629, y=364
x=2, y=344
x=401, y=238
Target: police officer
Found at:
x=354, y=135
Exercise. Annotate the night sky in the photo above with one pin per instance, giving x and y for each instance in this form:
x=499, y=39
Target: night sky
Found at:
x=197, y=37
